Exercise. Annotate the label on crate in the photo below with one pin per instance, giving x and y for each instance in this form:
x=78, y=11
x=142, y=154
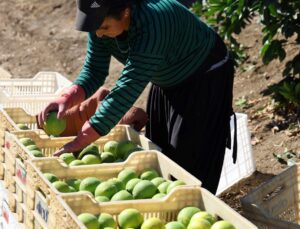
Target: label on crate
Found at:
x=41, y=207
x=9, y=220
x=7, y=144
x=21, y=172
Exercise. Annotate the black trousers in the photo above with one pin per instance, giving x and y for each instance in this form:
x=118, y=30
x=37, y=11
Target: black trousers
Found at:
x=191, y=122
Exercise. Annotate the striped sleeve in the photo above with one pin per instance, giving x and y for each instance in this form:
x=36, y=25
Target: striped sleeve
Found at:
x=136, y=74
x=96, y=65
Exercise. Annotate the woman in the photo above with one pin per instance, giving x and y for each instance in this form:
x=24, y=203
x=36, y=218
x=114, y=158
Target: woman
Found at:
x=161, y=42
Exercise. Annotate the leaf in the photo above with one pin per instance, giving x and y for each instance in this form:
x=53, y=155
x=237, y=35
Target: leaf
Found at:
x=297, y=91
x=296, y=64
x=265, y=48
x=287, y=95
x=242, y=102
x=279, y=158
x=290, y=154
x=272, y=10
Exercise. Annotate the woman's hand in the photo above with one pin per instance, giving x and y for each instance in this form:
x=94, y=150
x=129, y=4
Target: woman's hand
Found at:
x=86, y=136
x=71, y=96
x=136, y=117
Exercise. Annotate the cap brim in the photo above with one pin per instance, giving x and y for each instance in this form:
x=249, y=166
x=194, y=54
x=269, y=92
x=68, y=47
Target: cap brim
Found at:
x=89, y=22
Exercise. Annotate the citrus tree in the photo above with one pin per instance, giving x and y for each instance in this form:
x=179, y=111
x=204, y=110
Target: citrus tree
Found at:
x=280, y=20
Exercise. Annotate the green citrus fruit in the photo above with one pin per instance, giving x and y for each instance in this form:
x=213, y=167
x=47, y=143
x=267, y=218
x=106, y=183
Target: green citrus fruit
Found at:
x=89, y=220
x=184, y=216
x=175, y=225
x=153, y=223
x=122, y=195
x=144, y=189
x=222, y=224
x=22, y=126
x=27, y=141
x=89, y=184
x=106, y=220
x=127, y=174
x=149, y=174
x=91, y=159
x=130, y=218
x=61, y=186
x=106, y=188
x=67, y=157
x=175, y=184
x=53, y=125
x=51, y=177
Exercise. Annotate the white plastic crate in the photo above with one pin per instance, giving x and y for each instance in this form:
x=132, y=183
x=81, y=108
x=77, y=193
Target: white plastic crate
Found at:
x=245, y=165
x=32, y=94
x=42, y=83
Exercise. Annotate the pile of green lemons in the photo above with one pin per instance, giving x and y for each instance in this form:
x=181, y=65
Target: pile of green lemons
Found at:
x=128, y=185
x=130, y=218
x=113, y=151
x=31, y=146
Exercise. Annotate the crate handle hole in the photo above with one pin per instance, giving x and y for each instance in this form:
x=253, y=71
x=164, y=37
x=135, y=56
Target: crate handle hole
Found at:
x=172, y=178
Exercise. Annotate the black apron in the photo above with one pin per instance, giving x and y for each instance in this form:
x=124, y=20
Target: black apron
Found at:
x=191, y=121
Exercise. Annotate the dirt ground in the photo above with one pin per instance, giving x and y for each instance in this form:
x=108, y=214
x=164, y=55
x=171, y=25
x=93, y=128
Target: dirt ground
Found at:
x=39, y=35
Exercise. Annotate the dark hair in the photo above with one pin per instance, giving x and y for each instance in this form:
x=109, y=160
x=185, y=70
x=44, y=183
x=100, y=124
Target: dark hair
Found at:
x=117, y=7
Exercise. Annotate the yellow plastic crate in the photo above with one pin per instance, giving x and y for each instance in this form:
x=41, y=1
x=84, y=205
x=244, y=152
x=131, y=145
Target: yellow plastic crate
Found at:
x=15, y=153
x=276, y=203
x=138, y=161
x=9, y=118
x=15, y=149
x=166, y=208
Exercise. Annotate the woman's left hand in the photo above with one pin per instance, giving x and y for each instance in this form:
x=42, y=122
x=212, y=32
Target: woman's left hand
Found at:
x=86, y=136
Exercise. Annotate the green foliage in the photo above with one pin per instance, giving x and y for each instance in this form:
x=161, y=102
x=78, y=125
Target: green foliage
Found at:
x=280, y=21
x=287, y=94
x=242, y=103
x=288, y=157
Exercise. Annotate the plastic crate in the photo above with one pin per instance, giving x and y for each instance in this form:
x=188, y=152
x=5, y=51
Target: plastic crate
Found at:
x=9, y=118
x=15, y=153
x=139, y=161
x=42, y=83
x=276, y=203
x=49, y=145
x=245, y=165
x=166, y=208
x=32, y=94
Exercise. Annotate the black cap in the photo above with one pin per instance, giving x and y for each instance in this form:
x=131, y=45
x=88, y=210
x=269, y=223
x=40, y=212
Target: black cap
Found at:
x=90, y=14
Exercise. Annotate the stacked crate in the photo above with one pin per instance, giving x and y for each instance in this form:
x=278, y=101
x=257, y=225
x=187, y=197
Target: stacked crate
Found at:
x=20, y=100
x=16, y=154
x=41, y=190
x=34, y=93
x=9, y=118
x=35, y=203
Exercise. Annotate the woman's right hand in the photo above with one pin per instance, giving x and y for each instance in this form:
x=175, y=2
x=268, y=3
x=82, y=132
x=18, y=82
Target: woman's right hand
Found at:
x=72, y=96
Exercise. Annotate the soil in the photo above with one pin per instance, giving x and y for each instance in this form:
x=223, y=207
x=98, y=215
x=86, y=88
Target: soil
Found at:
x=40, y=36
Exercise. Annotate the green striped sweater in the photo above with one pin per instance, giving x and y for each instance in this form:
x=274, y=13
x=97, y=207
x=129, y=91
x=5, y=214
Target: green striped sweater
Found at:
x=166, y=43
